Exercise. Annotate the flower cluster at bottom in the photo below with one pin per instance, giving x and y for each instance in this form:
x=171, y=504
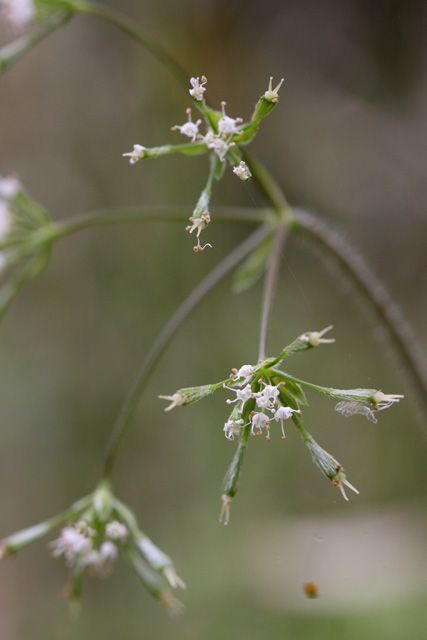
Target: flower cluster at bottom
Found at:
x=95, y=531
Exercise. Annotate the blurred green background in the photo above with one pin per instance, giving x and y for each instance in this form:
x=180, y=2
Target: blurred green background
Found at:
x=347, y=140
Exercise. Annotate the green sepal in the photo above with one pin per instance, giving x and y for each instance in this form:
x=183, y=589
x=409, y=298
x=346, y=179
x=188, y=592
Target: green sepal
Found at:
x=262, y=109
x=211, y=116
x=103, y=501
x=219, y=168
x=329, y=466
x=232, y=477
x=188, y=149
x=353, y=395
x=249, y=132
x=194, y=394
x=292, y=390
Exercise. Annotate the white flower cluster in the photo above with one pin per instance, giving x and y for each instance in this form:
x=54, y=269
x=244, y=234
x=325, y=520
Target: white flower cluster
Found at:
x=9, y=188
x=219, y=142
x=267, y=399
x=19, y=13
x=78, y=544
x=136, y=154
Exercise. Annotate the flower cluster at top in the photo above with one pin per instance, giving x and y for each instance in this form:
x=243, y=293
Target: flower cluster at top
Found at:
x=223, y=137
x=266, y=395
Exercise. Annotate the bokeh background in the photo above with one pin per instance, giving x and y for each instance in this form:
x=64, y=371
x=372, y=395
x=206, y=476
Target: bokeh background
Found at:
x=348, y=140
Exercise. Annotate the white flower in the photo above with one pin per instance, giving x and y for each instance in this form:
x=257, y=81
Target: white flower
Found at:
x=315, y=337
x=101, y=560
x=190, y=129
x=9, y=187
x=198, y=89
x=5, y=220
x=218, y=145
x=173, y=578
x=74, y=543
x=225, y=508
x=242, y=395
x=228, y=126
x=242, y=171
x=209, y=138
x=246, y=372
x=232, y=428
x=284, y=413
x=137, y=153
x=260, y=421
x=19, y=12
x=116, y=531
x=177, y=400
x=108, y=551
x=273, y=94
x=339, y=480
x=199, y=223
x=267, y=398
x=383, y=400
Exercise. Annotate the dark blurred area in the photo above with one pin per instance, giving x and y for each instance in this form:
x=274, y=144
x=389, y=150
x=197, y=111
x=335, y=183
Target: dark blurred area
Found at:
x=348, y=140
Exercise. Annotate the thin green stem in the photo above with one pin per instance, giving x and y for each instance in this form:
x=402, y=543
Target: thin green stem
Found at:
x=270, y=187
x=284, y=214
x=400, y=334
x=151, y=214
x=159, y=345
x=25, y=537
x=11, y=53
x=128, y=26
x=270, y=285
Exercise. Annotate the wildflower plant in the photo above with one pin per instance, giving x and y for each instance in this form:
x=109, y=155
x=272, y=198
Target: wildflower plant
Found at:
x=262, y=398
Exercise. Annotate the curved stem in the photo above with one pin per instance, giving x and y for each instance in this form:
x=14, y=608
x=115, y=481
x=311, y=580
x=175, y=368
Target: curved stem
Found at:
x=128, y=26
x=151, y=359
x=151, y=214
x=11, y=53
x=370, y=287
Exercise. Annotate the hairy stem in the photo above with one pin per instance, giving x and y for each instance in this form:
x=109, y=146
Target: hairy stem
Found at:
x=130, y=405
x=371, y=289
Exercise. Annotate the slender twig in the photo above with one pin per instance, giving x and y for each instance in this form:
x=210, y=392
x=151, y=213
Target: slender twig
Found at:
x=128, y=409
x=284, y=214
x=408, y=351
x=150, y=213
x=11, y=53
x=270, y=285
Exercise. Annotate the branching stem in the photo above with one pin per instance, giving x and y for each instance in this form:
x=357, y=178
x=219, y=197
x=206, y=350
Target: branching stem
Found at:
x=371, y=288
x=129, y=407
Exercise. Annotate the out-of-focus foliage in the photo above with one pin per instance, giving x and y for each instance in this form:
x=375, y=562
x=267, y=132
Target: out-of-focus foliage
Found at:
x=347, y=140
